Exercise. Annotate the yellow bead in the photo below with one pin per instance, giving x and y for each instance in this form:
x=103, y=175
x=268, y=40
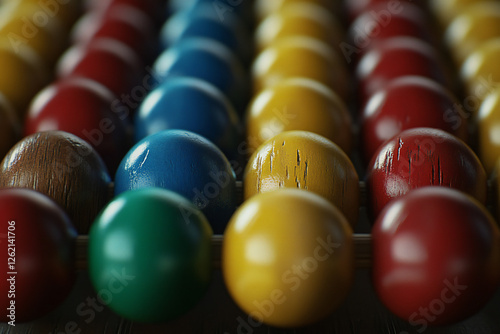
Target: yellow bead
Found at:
x=264, y=8
x=27, y=25
x=480, y=71
x=488, y=122
x=447, y=10
x=304, y=160
x=478, y=24
x=288, y=258
x=65, y=11
x=299, y=19
x=299, y=104
x=300, y=57
x=23, y=75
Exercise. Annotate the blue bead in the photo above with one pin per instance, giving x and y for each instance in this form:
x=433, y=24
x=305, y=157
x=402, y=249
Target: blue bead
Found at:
x=206, y=24
x=193, y=105
x=187, y=164
x=208, y=60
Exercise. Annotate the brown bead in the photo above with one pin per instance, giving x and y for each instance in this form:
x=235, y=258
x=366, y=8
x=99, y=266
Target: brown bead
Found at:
x=64, y=167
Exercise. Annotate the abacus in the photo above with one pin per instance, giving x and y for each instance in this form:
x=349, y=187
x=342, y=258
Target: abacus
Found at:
x=249, y=166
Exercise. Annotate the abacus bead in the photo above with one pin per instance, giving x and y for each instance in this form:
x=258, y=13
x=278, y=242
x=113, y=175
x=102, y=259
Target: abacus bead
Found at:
x=264, y=8
x=480, y=71
x=397, y=57
x=186, y=163
x=488, y=125
x=422, y=157
x=66, y=11
x=42, y=238
x=123, y=23
x=105, y=60
x=63, y=167
x=410, y=102
x=304, y=160
x=170, y=271
x=447, y=10
x=300, y=57
x=208, y=60
x=299, y=104
x=258, y=257
x=299, y=19
x=84, y=108
x=478, y=24
x=189, y=104
x=202, y=24
x=28, y=25
x=23, y=75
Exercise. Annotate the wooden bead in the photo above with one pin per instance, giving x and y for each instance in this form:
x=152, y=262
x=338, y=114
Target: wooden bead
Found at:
x=488, y=125
x=29, y=25
x=304, y=160
x=479, y=23
x=23, y=75
x=480, y=72
x=63, y=167
x=301, y=18
x=299, y=104
x=301, y=57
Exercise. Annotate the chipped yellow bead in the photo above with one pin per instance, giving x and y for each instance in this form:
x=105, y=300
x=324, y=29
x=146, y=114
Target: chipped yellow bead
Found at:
x=304, y=160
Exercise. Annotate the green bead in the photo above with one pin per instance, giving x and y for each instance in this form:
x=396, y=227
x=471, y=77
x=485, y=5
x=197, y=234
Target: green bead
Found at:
x=150, y=255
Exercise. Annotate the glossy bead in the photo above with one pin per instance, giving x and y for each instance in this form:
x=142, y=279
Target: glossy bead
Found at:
x=372, y=27
x=397, y=57
x=300, y=57
x=63, y=167
x=410, y=102
x=435, y=257
x=28, y=25
x=123, y=23
x=170, y=271
x=186, y=163
x=447, y=10
x=477, y=24
x=488, y=125
x=265, y=8
x=208, y=60
x=298, y=104
x=284, y=283
x=86, y=109
x=65, y=11
x=304, y=160
x=193, y=105
x=153, y=8
x=480, y=72
x=10, y=126
x=38, y=256
x=299, y=19
x=354, y=8
x=23, y=75
x=205, y=23
x=105, y=60
x=422, y=157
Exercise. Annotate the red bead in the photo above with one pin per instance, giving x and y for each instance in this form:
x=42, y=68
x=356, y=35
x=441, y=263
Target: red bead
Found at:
x=423, y=157
x=106, y=61
x=394, y=58
x=86, y=109
x=410, y=102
